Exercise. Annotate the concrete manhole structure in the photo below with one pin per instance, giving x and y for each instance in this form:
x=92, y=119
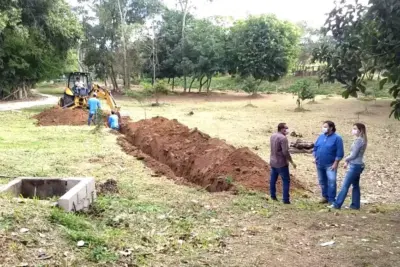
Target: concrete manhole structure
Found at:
x=75, y=193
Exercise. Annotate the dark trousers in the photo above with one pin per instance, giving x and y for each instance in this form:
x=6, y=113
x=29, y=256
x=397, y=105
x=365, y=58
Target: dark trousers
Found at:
x=92, y=118
x=284, y=173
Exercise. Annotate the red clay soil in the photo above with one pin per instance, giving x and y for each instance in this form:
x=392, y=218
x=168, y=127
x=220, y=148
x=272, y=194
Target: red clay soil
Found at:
x=173, y=150
x=59, y=116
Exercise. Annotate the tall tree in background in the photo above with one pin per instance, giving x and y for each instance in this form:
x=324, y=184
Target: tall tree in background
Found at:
x=367, y=40
x=263, y=47
x=36, y=37
x=185, y=7
x=112, y=32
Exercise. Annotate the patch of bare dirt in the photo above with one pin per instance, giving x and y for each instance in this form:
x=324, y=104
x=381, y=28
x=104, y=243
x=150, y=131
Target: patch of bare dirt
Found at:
x=228, y=96
x=108, y=187
x=174, y=150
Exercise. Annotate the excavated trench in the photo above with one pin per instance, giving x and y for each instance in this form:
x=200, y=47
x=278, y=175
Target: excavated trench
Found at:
x=172, y=149
x=188, y=156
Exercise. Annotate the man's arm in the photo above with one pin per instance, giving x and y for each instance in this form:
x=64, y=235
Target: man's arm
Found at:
x=316, y=147
x=285, y=151
x=339, y=152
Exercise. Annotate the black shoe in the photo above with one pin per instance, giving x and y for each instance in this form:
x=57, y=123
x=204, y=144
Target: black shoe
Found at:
x=287, y=202
x=274, y=199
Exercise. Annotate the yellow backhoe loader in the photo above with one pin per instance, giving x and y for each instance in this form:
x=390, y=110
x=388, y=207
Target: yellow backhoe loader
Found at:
x=77, y=96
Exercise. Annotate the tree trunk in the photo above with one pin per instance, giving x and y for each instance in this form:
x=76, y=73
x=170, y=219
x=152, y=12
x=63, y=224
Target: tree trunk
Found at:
x=209, y=84
x=113, y=79
x=173, y=83
x=24, y=90
x=169, y=79
x=154, y=60
x=19, y=93
x=191, y=84
x=184, y=7
x=126, y=72
x=201, y=83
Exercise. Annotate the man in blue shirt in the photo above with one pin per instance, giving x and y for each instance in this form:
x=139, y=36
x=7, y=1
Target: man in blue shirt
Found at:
x=94, y=106
x=113, y=121
x=328, y=151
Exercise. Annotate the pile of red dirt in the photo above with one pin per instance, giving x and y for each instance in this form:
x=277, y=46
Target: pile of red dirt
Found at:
x=59, y=116
x=172, y=149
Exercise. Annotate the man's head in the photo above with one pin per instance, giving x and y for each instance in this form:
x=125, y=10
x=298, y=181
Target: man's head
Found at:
x=283, y=129
x=328, y=127
x=78, y=79
x=112, y=112
x=95, y=95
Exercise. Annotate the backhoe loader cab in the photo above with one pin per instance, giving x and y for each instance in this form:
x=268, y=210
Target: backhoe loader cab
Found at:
x=77, y=97
x=83, y=77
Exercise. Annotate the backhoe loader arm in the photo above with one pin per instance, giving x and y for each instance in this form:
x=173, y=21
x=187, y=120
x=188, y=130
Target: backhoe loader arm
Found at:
x=103, y=93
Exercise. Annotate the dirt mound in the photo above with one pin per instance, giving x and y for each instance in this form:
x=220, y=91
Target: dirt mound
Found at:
x=59, y=116
x=108, y=187
x=172, y=149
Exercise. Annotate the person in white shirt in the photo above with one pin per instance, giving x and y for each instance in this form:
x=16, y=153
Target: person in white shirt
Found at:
x=78, y=83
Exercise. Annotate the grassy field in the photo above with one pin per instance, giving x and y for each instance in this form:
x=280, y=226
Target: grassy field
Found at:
x=154, y=222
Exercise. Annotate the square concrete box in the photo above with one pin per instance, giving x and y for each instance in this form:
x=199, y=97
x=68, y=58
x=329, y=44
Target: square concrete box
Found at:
x=76, y=193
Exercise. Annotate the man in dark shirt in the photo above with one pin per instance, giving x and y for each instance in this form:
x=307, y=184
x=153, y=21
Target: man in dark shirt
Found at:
x=279, y=162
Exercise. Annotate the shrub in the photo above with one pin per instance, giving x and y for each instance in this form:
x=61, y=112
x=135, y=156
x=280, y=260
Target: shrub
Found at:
x=302, y=89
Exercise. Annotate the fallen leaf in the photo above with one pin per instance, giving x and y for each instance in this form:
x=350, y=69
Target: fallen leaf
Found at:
x=24, y=230
x=80, y=243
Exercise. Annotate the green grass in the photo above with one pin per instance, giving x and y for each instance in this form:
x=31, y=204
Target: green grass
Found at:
x=134, y=216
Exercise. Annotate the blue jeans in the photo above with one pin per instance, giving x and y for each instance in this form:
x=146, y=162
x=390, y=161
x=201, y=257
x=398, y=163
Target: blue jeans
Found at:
x=284, y=173
x=352, y=178
x=92, y=118
x=327, y=182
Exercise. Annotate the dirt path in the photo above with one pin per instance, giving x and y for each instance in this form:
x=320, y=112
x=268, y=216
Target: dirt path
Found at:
x=15, y=105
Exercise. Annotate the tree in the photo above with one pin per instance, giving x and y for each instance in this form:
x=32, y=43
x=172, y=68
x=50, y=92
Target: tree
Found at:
x=36, y=37
x=311, y=39
x=367, y=40
x=113, y=33
x=302, y=89
x=168, y=38
x=263, y=47
x=206, y=50
x=185, y=6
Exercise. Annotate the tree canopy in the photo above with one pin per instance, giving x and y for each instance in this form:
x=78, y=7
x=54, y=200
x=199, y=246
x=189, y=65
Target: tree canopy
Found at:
x=35, y=41
x=366, y=41
x=263, y=47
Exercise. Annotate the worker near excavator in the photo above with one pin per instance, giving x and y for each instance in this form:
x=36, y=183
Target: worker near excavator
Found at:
x=94, y=106
x=113, y=121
